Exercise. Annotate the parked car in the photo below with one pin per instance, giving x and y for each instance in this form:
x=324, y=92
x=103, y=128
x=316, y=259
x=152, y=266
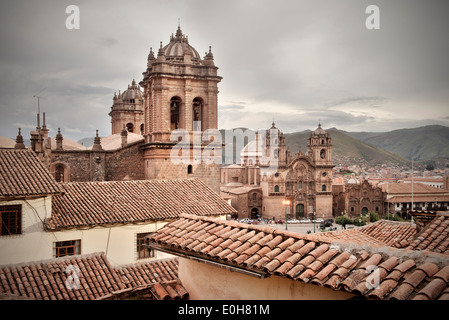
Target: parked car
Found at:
x=293, y=221
x=326, y=223
x=305, y=220
x=319, y=220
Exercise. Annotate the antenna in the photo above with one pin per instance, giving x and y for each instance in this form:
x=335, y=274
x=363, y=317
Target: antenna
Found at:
x=38, y=106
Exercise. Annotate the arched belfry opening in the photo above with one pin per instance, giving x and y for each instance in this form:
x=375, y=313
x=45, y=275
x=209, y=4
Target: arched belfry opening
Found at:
x=175, y=107
x=197, y=114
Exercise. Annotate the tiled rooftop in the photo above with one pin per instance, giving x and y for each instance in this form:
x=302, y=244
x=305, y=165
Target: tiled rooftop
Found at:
x=114, y=202
x=434, y=237
x=48, y=280
x=22, y=174
x=407, y=188
x=267, y=251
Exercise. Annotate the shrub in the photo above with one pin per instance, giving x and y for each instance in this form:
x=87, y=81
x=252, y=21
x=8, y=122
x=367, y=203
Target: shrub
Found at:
x=393, y=217
x=373, y=216
x=343, y=220
x=359, y=221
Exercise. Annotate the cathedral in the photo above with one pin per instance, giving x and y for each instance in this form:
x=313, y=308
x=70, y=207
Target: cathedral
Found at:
x=298, y=186
x=176, y=100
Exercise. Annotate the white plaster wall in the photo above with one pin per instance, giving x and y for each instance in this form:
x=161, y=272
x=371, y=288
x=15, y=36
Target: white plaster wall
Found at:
x=118, y=242
x=31, y=244
x=206, y=282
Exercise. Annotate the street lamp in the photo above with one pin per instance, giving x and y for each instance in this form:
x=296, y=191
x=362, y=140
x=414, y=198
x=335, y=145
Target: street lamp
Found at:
x=286, y=203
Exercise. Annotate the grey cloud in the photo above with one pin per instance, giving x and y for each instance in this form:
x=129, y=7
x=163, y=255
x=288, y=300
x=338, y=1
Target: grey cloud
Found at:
x=106, y=42
x=311, y=57
x=363, y=100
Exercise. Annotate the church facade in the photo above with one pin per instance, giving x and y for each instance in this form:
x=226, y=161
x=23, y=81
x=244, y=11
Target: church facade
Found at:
x=297, y=186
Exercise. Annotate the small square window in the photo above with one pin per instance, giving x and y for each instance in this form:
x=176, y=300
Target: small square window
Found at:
x=66, y=248
x=11, y=220
x=142, y=250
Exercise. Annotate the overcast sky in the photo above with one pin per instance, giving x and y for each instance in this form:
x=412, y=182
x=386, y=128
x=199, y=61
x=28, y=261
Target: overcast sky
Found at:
x=297, y=62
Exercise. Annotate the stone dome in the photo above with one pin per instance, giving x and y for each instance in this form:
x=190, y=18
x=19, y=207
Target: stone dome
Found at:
x=178, y=46
x=319, y=130
x=133, y=92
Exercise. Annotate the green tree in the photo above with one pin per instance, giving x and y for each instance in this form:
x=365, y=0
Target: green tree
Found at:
x=343, y=220
x=373, y=216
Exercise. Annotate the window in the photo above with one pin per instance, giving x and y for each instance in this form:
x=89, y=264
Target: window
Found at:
x=175, y=104
x=197, y=114
x=189, y=169
x=276, y=188
x=323, y=154
x=254, y=196
x=11, y=220
x=142, y=250
x=300, y=185
x=66, y=248
x=130, y=127
x=59, y=173
x=323, y=187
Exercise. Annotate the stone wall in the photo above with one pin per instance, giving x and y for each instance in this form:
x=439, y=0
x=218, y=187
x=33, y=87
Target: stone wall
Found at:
x=86, y=165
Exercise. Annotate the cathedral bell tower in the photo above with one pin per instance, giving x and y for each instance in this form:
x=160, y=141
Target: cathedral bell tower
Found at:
x=319, y=148
x=180, y=92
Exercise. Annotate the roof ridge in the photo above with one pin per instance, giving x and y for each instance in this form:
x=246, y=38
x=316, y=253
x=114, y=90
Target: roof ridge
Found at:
x=59, y=259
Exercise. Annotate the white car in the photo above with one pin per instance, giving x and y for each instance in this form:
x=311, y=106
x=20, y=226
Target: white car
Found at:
x=305, y=221
x=293, y=221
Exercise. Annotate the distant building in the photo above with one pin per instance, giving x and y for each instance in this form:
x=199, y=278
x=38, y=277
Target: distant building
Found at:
x=436, y=182
x=400, y=197
x=354, y=199
x=305, y=180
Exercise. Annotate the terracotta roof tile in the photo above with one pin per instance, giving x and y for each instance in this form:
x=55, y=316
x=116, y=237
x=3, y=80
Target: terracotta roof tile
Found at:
x=48, y=280
x=364, y=271
x=433, y=237
x=85, y=204
x=22, y=174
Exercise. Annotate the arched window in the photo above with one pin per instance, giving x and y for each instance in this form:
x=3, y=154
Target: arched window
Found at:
x=323, y=187
x=189, y=169
x=59, y=173
x=197, y=114
x=276, y=188
x=300, y=185
x=175, y=107
x=323, y=153
x=142, y=129
x=130, y=127
x=254, y=196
